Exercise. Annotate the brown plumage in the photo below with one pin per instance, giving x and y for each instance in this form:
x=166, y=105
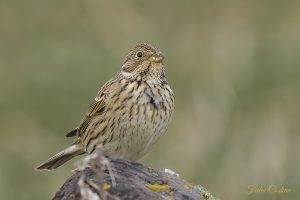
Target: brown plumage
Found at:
x=130, y=112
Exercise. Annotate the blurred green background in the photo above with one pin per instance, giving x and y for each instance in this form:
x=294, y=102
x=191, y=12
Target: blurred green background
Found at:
x=233, y=65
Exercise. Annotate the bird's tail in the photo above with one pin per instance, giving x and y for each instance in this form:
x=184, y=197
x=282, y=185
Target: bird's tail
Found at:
x=61, y=157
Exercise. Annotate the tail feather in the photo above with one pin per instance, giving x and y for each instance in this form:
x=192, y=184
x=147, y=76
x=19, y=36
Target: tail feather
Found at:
x=61, y=157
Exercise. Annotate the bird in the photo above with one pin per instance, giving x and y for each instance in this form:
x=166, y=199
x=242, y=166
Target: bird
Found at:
x=129, y=113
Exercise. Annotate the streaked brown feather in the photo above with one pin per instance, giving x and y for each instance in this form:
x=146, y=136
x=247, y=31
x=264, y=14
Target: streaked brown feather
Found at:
x=97, y=107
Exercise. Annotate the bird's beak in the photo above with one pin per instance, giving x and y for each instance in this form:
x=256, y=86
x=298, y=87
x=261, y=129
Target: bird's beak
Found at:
x=157, y=58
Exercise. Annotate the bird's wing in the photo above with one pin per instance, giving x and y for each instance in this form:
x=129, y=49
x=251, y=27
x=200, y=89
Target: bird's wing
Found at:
x=98, y=105
x=96, y=108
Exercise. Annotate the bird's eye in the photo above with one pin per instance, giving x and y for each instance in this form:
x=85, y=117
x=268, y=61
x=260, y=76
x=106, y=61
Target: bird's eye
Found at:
x=139, y=54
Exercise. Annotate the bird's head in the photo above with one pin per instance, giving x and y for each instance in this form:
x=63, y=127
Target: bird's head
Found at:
x=143, y=62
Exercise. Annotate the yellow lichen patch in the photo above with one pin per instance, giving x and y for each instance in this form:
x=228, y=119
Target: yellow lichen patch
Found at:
x=186, y=187
x=106, y=186
x=157, y=187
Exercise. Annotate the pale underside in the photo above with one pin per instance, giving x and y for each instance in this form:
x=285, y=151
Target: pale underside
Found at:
x=131, y=124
